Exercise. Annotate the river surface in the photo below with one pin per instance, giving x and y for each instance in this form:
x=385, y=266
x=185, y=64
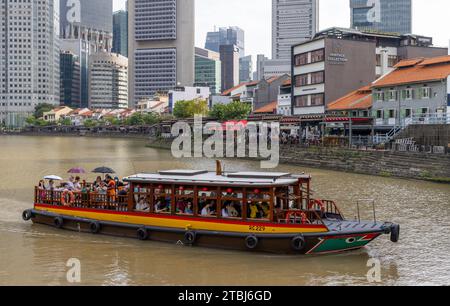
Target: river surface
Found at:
x=37, y=254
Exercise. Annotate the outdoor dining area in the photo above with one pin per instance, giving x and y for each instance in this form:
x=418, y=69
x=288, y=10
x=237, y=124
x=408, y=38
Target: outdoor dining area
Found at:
x=105, y=192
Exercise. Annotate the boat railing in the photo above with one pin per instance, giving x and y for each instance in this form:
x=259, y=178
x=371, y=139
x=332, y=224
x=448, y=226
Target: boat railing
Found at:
x=81, y=199
x=328, y=208
x=294, y=216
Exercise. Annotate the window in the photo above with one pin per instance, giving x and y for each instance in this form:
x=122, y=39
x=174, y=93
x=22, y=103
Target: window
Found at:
x=392, y=60
x=163, y=199
x=317, y=100
x=408, y=94
x=317, y=77
x=425, y=92
x=301, y=59
x=207, y=201
x=258, y=204
x=301, y=80
x=408, y=112
x=391, y=113
x=379, y=96
x=318, y=56
x=232, y=203
x=184, y=200
x=392, y=95
x=378, y=59
x=301, y=101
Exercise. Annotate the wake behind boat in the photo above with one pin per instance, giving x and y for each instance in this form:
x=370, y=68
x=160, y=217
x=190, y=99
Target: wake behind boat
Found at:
x=254, y=211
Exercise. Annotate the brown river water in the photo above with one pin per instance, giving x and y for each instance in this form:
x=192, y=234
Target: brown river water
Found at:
x=37, y=254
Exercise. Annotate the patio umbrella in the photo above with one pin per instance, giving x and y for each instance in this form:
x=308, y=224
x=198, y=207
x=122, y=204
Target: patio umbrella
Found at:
x=53, y=177
x=76, y=170
x=103, y=170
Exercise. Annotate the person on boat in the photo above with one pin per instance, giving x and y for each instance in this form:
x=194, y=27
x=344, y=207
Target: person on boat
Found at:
x=253, y=210
x=265, y=210
x=225, y=210
x=70, y=184
x=142, y=205
x=188, y=210
x=207, y=210
x=111, y=188
x=160, y=206
x=232, y=211
x=181, y=206
x=97, y=182
x=77, y=184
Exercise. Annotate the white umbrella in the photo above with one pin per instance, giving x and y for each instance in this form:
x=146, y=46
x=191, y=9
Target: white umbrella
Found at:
x=53, y=177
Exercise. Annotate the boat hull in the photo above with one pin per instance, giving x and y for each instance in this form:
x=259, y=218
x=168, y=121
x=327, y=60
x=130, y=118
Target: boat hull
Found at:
x=280, y=243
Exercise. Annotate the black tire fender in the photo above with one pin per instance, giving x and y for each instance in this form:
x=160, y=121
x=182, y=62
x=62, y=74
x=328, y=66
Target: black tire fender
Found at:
x=251, y=242
x=298, y=243
x=142, y=233
x=95, y=227
x=27, y=215
x=190, y=237
x=395, y=233
x=58, y=222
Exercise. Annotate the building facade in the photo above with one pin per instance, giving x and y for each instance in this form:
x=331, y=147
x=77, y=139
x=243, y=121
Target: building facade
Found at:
x=120, y=33
x=29, y=58
x=161, y=46
x=229, y=56
x=417, y=91
x=226, y=36
x=208, y=70
x=338, y=61
x=70, y=80
x=86, y=28
x=245, y=69
x=393, y=16
x=108, y=75
x=187, y=93
x=293, y=22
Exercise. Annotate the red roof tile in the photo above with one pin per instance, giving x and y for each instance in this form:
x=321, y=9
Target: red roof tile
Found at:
x=358, y=99
x=269, y=108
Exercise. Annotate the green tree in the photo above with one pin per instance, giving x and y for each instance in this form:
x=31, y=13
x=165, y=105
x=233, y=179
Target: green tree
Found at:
x=114, y=121
x=89, y=123
x=189, y=108
x=235, y=110
x=65, y=121
x=152, y=118
x=30, y=120
x=135, y=119
x=41, y=108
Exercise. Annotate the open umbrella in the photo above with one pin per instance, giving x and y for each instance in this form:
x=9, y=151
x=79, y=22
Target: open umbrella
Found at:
x=76, y=170
x=53, y=177
x=103, y=170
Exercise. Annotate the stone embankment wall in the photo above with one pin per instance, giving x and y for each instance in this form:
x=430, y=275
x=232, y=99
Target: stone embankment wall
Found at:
x=424, y=166
x=428, y=134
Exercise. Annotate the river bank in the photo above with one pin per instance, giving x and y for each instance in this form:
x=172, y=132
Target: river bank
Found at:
x=409, y=165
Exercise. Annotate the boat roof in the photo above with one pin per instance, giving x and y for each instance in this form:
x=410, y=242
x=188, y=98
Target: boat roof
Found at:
x=203, y=177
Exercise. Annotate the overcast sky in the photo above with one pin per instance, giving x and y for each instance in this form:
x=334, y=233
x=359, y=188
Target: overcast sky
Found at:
x=430, y=18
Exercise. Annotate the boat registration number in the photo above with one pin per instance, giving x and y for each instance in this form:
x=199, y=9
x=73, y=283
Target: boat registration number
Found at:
x=257, y=228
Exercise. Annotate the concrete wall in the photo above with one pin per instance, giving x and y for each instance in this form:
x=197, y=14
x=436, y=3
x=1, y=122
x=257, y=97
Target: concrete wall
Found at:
x=414, y=51
x=358, y=67
x=428, y=135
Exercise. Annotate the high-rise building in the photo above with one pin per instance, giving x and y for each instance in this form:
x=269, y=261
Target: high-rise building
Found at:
x=229, y=56
x=161, y=46
x=108, y=75
x=120, y=33
x=29, y=57
x=86, y=28
x=70, y=80
x=394, y=16
x=226, y=36
x=208, y=70
x=245, y=68
x=293, y=22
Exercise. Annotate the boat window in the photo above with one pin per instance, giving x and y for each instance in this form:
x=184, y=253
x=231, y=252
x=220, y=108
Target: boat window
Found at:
x=184, y=200
x=162, y=199
x=207, y=201
x=232, y=203
x=258, y=204
x=142, y=197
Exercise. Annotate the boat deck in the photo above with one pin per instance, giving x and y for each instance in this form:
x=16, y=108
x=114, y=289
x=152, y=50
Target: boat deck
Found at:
x=349, y=226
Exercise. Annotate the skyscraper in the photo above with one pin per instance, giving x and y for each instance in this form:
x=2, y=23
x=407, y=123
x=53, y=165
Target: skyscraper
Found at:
x=208, y=70
x=86, y=28
x=108, y=75
x=245, y=69
x=229, y=56
x=226, y=36
x=393, y=16
x=161, y=46
x=29, y=57
x=293, y=22
x=70, y=80
x=120, y=33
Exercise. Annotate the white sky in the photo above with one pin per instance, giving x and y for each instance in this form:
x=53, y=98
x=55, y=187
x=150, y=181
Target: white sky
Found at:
x=430, y=18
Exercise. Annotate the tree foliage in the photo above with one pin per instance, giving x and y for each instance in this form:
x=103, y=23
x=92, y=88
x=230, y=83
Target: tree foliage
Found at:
x=190, y=108
x=143, y=119
x=235, y=110
x=41, y=108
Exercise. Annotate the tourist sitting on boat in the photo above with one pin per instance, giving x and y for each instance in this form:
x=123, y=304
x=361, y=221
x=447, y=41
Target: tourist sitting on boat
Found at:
x=161, y=207
x=265, y=210
x=77, y=184
x=225, y=210
x=208, y=210
x=188, y=210
x=181, y=206
x=142, y=205
x=97, y=183
x=232, y=211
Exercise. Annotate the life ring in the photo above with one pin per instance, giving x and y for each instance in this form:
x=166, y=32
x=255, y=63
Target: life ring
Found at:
x=95, y=227
x=71, y=200
x=27, y=215
x=251, y=242
x=316, y=202
x=142, y=233
x=296, y=214
x=58, y=222
x=298, y=243
x=189, y=237
x=395, y=233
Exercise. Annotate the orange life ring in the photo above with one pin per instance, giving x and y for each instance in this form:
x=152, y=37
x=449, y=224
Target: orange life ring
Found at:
x=64, y=196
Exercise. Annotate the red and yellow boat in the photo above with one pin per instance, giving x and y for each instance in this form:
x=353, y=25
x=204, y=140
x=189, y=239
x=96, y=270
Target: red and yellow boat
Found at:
x=269, y=212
